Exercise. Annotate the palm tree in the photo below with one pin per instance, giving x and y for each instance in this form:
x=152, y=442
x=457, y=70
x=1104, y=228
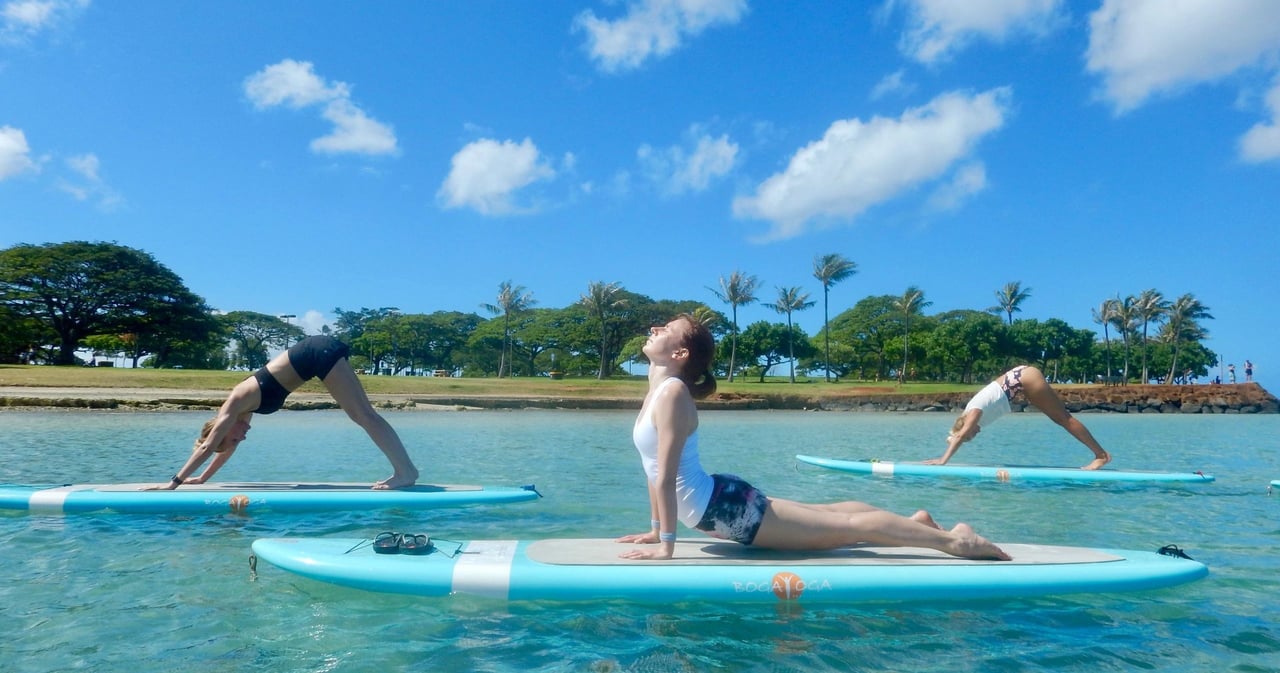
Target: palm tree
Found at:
x=602, y=299
x=911, y=303
x=1183, y=325
x=1149, y=307
x=512, y=299
x=1009, y=299
x=704, y=315
x=791, y=299
x=736, y=290
x=1104, y=315
x=829, y=270
x=1125, y=318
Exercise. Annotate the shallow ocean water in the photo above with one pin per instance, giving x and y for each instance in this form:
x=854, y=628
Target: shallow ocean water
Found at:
x=116, y=593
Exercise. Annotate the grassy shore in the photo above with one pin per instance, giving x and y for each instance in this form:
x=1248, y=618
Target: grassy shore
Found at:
x=106, y=378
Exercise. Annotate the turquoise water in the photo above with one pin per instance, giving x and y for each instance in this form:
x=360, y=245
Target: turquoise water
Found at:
x=111, y=593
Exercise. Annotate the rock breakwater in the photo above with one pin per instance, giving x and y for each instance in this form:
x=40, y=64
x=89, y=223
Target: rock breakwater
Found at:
x=1241, y=398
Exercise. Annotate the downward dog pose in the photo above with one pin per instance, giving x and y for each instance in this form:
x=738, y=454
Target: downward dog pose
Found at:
x=726, y=507
x=992, y=402
x=265, y=392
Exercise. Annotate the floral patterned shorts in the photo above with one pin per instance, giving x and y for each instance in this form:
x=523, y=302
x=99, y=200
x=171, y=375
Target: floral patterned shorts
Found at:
x=735, y=511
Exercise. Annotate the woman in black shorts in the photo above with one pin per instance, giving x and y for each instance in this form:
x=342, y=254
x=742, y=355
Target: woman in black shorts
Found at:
x=322, y=357
x=724, y=506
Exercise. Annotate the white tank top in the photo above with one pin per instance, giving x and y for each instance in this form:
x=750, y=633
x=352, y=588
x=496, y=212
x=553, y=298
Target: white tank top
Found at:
x=993, y=403
x=693, y=484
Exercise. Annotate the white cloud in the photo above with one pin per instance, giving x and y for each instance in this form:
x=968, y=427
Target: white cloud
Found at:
x=651, y=28
x=291, y=83
x=296, y=85
x=86, y=165
x=27, y=14
x=892, y=83
x=679, y=169
x=88, y=182
x=15, y=154
x=937, y=28
x=856, y=165
x=354, y=131
x=1145, y=47
x=313, y=322
x=486, y=174
x=965, y=182
x=24, y=19
x=1262, y=142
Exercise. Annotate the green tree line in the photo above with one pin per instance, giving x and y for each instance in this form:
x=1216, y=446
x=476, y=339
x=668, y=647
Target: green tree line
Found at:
x=61, y=298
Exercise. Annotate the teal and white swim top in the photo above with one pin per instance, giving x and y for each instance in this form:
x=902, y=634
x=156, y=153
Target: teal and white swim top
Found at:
x=693, y=484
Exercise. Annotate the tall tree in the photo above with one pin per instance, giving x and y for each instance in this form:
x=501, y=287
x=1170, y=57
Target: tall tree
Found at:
x=1125, y=318
x=1183, y=326
x=79, y=289
x=791, y=299
x=1009, y=299
x=830, y=269
x=1104, y=315
x=738, y=289
x=255, y=334
x=911, y=303
x=1149, y=307
x=767, y=344
x=512, y=299
x=602, y=299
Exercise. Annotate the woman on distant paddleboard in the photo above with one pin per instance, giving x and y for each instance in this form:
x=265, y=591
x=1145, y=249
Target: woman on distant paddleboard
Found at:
x=992, y=402
x=726, y=507
x=322, y=357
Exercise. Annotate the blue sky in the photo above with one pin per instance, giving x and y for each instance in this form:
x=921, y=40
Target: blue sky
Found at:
x=293, y=157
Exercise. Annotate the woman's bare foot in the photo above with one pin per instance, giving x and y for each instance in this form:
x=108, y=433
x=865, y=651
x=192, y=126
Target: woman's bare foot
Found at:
x=1098, y=462
x=923, y=517
x=970, y=545
x=395, y=481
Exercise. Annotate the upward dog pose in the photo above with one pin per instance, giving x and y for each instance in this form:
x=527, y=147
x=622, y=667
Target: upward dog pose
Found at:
x=992, y=402
x=724, y=506
x=265, y=392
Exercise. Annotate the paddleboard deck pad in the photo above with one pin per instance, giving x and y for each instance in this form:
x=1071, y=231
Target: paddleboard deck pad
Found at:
x=249, y=497
x=712, y=570
x=1001, y=472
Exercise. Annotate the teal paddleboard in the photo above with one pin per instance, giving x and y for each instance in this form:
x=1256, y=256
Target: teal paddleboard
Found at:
x=999, y=472
x=705, y=569
x=248, y=497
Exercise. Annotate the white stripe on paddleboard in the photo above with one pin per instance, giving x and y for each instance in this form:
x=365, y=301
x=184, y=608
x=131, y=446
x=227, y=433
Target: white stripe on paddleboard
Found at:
x=882, y=468
x=484, y=568
x=49, y=500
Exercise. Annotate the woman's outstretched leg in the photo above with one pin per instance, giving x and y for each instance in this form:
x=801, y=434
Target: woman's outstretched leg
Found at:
x=853, y=507
x=350, y=395
x=791, y=525
x=1041, y=395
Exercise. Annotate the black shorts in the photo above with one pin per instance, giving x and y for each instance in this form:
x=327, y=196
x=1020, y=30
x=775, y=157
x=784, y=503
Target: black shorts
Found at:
x=315, y=356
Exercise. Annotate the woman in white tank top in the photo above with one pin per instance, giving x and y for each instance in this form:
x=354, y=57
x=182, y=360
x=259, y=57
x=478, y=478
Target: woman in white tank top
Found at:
x=724, y=506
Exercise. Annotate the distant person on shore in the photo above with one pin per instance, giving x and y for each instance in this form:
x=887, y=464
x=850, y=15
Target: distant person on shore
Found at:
x=1231, y=373
x=264, y=393
x=1248, y=370
x=992, y=402
x=726, y=507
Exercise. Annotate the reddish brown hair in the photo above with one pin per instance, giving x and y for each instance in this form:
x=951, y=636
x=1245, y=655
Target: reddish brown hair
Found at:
x=696, y=372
